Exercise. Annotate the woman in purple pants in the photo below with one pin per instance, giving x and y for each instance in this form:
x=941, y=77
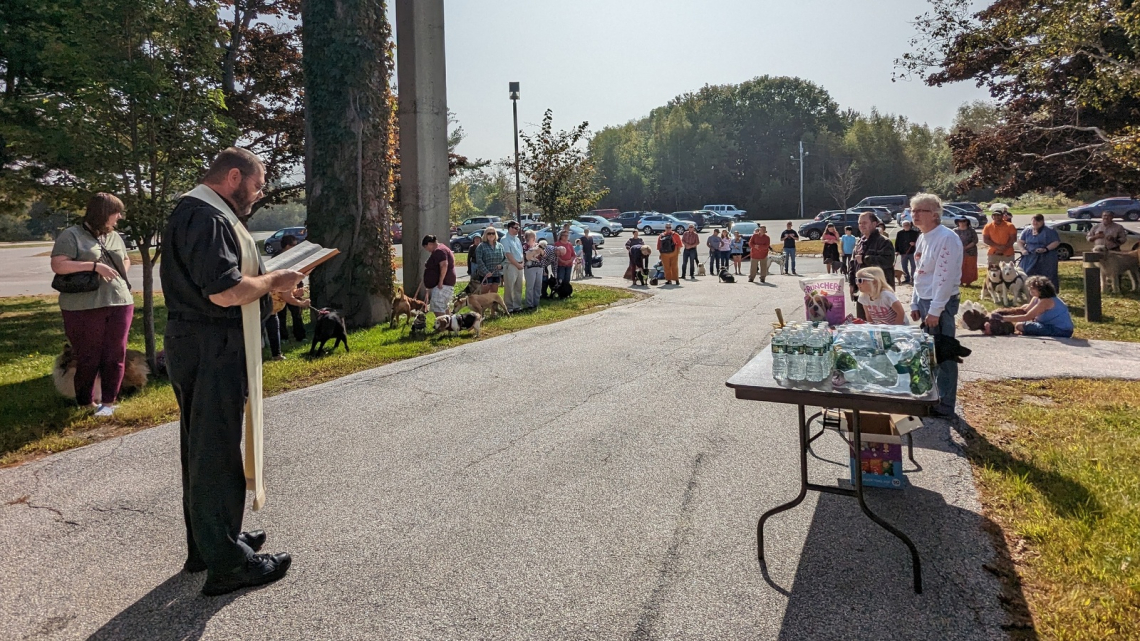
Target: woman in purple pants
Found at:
x=96, y=322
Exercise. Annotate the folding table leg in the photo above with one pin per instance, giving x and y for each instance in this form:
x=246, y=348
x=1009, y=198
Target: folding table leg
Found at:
x=858, y=445
x=794, y=502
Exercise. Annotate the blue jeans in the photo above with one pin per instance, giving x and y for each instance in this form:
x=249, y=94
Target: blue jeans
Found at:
x=1034, y=328
x=946, y=374
x=563, y=273
x=689, y=259
x=714, y=261
x=789, y=260
x=908, y=266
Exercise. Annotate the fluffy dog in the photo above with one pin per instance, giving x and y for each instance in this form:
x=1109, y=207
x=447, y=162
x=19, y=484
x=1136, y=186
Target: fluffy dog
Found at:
x=419, y=324
x=481, y=303
x=976, y=310
x=579, y=268
x=404, y=306
x=63, y=374
x=1113, y=265
x=452, y=323
x=726, y=277
x=992, y=282
x=328, y=326
x=1013, y=278
x=701, y=269
x=817, y=306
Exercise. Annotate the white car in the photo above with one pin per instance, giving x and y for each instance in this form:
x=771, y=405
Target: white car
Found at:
x=726, y=210
x=655, y=223
x=600, y=225
x=576, y=232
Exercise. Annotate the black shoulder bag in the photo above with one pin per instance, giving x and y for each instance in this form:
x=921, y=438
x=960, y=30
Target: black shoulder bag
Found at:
x=80, y=282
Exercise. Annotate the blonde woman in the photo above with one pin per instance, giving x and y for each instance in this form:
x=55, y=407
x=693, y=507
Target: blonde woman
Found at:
x=880, y=305
x=491, y=260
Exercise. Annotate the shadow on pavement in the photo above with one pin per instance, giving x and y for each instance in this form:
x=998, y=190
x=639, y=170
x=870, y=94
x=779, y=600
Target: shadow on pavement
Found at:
x=854, y=578
x=174, y=611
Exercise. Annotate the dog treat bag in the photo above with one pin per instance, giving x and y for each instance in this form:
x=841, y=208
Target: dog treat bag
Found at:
x=824, y=299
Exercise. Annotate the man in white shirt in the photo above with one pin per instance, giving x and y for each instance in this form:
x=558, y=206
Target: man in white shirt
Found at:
x=513, y=272
x=938, y=270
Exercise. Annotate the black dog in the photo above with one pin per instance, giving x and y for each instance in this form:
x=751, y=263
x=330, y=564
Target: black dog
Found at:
x=549, y=286
x=329, y=325
x=726, y=277
x=564, y=290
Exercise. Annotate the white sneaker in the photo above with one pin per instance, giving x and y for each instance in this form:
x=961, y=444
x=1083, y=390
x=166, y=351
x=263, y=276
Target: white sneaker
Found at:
x=105, y=410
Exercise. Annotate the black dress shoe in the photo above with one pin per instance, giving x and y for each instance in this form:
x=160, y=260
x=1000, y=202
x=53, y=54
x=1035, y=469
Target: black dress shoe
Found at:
x=254, y=540
x=259, y=569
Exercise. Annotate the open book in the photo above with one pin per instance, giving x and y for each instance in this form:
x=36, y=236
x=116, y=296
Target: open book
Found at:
x=304, y=258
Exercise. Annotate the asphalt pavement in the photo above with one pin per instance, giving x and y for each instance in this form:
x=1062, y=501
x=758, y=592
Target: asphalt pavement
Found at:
x=591, y=479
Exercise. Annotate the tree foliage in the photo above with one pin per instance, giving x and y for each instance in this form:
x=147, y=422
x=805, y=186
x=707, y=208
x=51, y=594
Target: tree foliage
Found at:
x=1066, y=77
x=739, y=144
x=559, y=171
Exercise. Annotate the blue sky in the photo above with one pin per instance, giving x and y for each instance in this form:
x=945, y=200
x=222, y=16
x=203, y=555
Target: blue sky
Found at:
x=608, y=62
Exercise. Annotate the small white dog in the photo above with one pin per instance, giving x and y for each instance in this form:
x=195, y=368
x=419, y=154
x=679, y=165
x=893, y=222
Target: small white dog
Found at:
x=579, y=268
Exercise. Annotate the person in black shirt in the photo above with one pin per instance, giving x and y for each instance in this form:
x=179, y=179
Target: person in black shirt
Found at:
x=905, y=242
x=871, y=250
x=205, y=289
x=789, y=237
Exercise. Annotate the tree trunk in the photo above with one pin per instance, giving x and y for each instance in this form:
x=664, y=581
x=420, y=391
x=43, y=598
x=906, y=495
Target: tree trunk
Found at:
x=348, y=66
x=148, y=303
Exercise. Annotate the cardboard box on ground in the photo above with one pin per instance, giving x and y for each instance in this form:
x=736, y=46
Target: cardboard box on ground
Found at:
x=882, y=440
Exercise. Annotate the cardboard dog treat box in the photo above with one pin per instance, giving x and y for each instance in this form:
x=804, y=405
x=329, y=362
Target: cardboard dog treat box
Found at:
x=881, y=459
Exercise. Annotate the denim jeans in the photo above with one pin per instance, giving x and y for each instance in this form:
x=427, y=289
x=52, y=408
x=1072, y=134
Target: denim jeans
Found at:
x=689, y=258
x=533, y=286
x=789, y=260
x=1033, y=328
x=907, y=261
x=714, y=261
x=946, y=374
x=564, y=272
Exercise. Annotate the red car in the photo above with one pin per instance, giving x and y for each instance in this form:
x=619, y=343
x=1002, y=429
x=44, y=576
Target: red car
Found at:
x=606, y=213
x=397, y=233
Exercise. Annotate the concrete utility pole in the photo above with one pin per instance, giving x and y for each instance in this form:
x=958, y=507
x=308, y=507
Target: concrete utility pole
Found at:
x=801, y=179
x=514, y=87
x=422, y=84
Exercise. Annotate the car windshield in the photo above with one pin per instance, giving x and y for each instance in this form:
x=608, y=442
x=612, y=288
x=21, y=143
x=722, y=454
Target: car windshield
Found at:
x=745, y=229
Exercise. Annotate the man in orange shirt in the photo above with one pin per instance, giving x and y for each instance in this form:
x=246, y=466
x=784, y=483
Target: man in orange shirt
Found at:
x=999, y=236
x=669, y=246
x=758, y=246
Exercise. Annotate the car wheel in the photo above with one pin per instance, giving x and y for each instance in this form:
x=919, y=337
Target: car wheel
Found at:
x=1064, y=252
x=1132, y=216
x=1087, y=215
x=815, y=234
x=455, y=247
x=606, y=231
x=647, y=230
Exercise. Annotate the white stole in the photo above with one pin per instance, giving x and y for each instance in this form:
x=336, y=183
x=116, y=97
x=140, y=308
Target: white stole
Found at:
x=251, y=330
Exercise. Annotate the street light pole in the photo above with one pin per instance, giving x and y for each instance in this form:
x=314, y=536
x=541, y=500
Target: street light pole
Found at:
x=801, y=159
x=514, y=88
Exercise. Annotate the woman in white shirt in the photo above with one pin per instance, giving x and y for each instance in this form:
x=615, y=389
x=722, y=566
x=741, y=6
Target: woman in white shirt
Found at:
x=880, y=305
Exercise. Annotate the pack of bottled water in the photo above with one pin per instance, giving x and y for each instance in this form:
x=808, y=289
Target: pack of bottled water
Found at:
x=885, y=359
x=801, y=353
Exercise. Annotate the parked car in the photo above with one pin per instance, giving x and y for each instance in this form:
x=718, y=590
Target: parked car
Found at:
x=694, y=217
x=814, y=230
x=397, y=233
x=273, y=243
x=655, y=223
x=746, y=229
x=1074, y=237
x=950, y=216
x=576, y=232
x=628, y=219
x=967, y=206
x=885, y=216
x=463, y=242
x=476, y=223
x=827, y=212
x=600, y=225
x=712, y=218
x=605, y=213
x=1125, y=208
x=726, y=210
x=894, y=203
x=128, y=242
x=971, y=210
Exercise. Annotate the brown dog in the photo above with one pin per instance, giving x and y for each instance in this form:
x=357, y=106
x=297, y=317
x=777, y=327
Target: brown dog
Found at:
x=1116, y=264
x=134, y=375
x=481, y=303
x=404, y=306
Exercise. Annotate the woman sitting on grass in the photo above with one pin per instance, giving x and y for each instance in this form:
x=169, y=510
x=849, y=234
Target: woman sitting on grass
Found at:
x=880, y=305
x=1046, y=314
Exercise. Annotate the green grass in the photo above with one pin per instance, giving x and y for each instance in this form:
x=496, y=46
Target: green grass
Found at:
x=35, y=420
x=1120, y=312
x=1058, y=468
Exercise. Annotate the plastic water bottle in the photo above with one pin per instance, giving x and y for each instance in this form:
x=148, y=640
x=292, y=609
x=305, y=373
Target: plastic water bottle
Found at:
x=780, y=355
x=814, y=367
x=797, y=355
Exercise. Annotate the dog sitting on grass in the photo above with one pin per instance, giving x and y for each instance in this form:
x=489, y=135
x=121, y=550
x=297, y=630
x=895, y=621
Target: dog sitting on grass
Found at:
x=135, y=374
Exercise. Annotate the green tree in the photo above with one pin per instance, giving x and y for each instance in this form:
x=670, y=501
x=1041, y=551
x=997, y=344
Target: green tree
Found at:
x=350, y=124
x=559, y=171
x=1066, y=77
x=134, y=110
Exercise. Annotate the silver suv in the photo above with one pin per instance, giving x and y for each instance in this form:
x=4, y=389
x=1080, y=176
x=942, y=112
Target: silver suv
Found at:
x=477, y=223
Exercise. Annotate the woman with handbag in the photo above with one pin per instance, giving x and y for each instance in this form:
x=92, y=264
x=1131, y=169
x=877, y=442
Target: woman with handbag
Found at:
x=90, y=262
